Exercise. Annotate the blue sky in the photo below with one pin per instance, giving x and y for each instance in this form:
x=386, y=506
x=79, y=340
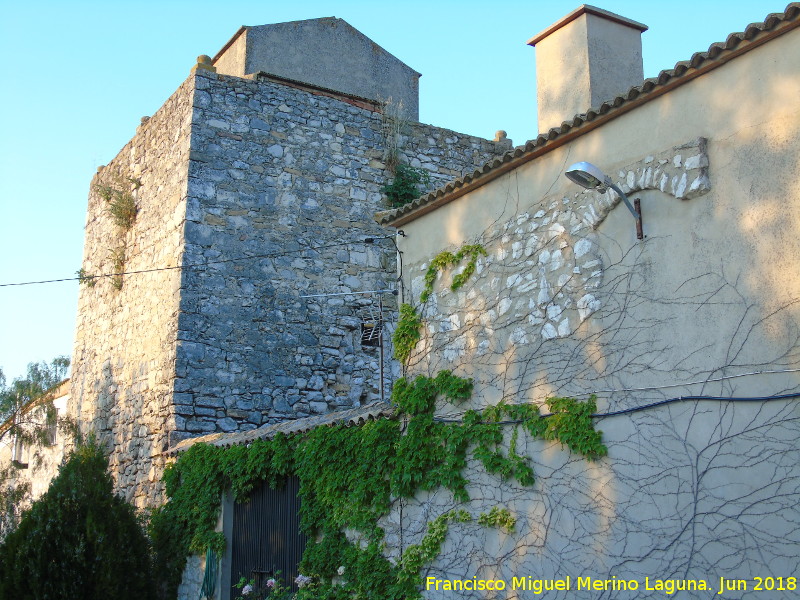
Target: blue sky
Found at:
x=78, y=76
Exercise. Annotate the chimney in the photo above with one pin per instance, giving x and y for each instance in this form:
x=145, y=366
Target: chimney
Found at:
x=587, y=57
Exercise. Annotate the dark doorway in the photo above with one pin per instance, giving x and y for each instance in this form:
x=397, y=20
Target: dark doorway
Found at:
x=266, y=540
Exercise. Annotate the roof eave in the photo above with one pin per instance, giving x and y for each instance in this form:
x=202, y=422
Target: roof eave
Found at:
x=717, y=55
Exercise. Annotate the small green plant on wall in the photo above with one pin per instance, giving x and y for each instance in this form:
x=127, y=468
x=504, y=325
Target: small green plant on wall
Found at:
x=85, y=279
x=407, y=184
x=121, y=203
x=117, y=257
x=121, y=206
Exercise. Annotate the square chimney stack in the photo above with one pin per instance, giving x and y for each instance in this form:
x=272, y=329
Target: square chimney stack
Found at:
x=587, y=57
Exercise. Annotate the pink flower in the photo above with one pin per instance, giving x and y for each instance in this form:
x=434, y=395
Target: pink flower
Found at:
x=247, y=590
x=271, y=583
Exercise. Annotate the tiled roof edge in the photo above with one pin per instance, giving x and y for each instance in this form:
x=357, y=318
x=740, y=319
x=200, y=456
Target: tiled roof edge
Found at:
x=349, y=418
x=684, y=71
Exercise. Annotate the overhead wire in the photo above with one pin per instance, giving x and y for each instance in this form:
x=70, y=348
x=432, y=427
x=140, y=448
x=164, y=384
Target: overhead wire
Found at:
x=634, y=409
x=452, y=418
x=701, y=382
x=188, y=266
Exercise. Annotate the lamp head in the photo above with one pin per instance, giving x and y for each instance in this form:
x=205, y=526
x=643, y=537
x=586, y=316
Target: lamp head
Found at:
x=588, y=176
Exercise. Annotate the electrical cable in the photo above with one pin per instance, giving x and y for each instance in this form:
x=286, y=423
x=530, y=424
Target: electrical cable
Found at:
x=190, y=266
x=391, y=238
x=652, y=405
x=674, y=385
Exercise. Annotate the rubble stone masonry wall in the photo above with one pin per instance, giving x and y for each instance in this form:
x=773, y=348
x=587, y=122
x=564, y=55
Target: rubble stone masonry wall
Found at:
x=261, y=193
x=291, y=178
x=124, y=355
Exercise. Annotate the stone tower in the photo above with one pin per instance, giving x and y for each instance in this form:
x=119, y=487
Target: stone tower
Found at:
x=251, y=189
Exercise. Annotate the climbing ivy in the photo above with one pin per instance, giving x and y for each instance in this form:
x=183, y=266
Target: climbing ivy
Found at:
x=498, y=517
x=571, y=424
x=349, y=477
x=417, y=556
x=447, y=259
x=407, y=334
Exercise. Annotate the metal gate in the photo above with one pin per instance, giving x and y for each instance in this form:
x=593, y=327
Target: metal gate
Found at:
x=266, y=540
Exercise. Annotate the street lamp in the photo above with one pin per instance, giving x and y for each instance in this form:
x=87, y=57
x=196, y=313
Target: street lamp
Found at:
x=590, y=177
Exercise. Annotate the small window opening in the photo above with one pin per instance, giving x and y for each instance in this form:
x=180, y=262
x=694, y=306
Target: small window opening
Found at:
x=52, y=433
x=19, y=453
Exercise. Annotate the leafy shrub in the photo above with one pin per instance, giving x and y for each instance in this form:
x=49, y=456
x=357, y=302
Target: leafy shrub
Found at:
x=405, y=186
x=123, y=210
x=78, y=540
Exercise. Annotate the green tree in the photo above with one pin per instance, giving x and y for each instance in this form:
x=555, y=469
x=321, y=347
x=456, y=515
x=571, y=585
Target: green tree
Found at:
x=21, y=411
x=78, y=541
x=27, y=419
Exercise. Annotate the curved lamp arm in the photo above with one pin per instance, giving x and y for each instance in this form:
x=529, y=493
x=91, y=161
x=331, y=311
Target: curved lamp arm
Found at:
x=588, y=176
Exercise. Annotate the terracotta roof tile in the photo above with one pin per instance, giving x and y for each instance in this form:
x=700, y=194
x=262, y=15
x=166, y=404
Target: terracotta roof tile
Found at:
x=349, y=418
x=700, y=62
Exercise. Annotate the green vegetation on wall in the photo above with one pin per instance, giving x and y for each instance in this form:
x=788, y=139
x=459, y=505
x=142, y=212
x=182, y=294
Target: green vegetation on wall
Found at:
x=447, y=259
x=121, y=206
x=407, y=184
x=385, y=460
x=85, y=279
x=121, y=203
x=351, y=476
x=407, y=333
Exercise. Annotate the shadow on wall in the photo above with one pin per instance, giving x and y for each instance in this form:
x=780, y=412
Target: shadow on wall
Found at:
x=708, y=304
x=132, y=431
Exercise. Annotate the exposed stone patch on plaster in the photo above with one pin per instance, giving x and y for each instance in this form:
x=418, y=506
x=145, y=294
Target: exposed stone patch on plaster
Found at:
x=545, y=268
x=681, y=172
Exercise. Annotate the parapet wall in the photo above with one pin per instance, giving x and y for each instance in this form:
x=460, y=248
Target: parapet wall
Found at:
x=326, y=52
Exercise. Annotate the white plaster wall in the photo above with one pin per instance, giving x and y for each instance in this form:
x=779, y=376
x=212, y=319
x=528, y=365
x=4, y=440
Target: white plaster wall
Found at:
x=43, y=462
x=707, y=304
